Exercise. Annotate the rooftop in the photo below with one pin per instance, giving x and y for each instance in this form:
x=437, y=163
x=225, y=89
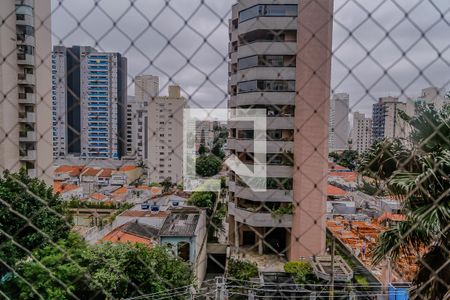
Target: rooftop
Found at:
x=98, y=196
x=132, y=232
x=88, y=171
x=392, y=217
x=120, y=191
x=106, y=172
x=59, y=187
x=127, y=168
x=71, y=170
x=180, y=223
x=335, y=191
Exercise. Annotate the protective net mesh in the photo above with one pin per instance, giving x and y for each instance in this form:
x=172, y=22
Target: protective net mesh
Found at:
x=357, y=149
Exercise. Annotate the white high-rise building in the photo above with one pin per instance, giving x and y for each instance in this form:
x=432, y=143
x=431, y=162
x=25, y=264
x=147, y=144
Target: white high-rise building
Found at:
x=361, y=132
x=165, y=137
x=339, y=122
x=146, y=89
x=25, y=87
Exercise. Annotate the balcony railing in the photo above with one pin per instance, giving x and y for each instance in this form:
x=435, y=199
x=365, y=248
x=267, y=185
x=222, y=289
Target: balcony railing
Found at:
x=27, y=117
x=27, y=136
x=27, y=98
x=257, y=219
x=28, y=155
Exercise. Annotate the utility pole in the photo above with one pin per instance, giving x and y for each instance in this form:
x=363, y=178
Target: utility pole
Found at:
x=333, y=248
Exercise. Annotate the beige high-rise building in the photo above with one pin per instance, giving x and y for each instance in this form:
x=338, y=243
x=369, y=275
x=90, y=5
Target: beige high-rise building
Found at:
x=265, y=71
x=361, y=132
x=165, y=136
x=146, y=88
x=25, y=87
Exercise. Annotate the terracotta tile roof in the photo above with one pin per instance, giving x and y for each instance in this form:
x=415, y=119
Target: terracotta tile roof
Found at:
x=132, y=232
x=59, y=187
x=334, y=166
x=106, y=172
x=392, y=217
x=127, y=168
x=98, y=196
x=347, y=176
x=156, y=190
x=72, y=170
x=90, y=172
x=335, y=191
x=144, y=187
x=120, y=191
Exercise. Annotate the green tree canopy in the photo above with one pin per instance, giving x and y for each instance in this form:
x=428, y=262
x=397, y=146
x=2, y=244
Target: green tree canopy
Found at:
x=31, y=216
x=71, y=269
x=207, y=166
x=423, y=182
x=202, y=149
x=346, y=159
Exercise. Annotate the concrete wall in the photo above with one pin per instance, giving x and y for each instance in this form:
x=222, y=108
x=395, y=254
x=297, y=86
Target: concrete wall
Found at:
x=314, y=38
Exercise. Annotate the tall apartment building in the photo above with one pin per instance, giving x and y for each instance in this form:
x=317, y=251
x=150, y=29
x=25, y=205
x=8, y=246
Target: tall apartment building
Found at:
x=263, y=68
x=432, y=97
x=339, y=122
x=146, y=88
x=386, y=120
x=25, y=86
x=89, y=103
x=361, y=132
x=165, y=136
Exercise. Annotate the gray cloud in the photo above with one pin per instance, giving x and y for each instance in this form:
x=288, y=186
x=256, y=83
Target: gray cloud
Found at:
x=118, y=26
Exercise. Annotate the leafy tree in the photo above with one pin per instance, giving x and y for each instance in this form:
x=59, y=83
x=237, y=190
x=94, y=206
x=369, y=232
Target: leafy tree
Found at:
x=203, y=200
x=215, y=214
x=125, y=270
x=425, y=187
x=72, y=269
x=202, y=149
x=31, y=216
x=217, y=150
x=346, y=159
x=166, y=185
x=207, y=166
x=56, y=271
x=382, y=159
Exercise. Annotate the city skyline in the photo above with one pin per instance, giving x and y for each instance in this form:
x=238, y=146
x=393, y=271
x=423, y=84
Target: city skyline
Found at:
x=347, y=51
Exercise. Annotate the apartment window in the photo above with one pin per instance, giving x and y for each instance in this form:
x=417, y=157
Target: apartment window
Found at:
x=268, y=10
x=266, y=86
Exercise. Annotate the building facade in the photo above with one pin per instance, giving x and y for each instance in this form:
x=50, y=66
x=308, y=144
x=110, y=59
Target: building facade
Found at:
x=386, y=119
x=361, y=132
x=339, y=122
x=431, y=97
x=89, y=106
x=263, y=70
x=165, y=137
x=146, y=89
x=25, y=85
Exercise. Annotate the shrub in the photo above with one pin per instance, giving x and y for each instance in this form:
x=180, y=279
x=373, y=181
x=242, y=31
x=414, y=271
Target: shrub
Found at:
x=241, y=269
x=300, y=270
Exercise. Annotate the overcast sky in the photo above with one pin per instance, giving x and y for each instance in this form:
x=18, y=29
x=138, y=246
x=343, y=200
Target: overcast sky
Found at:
x=199, y=33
